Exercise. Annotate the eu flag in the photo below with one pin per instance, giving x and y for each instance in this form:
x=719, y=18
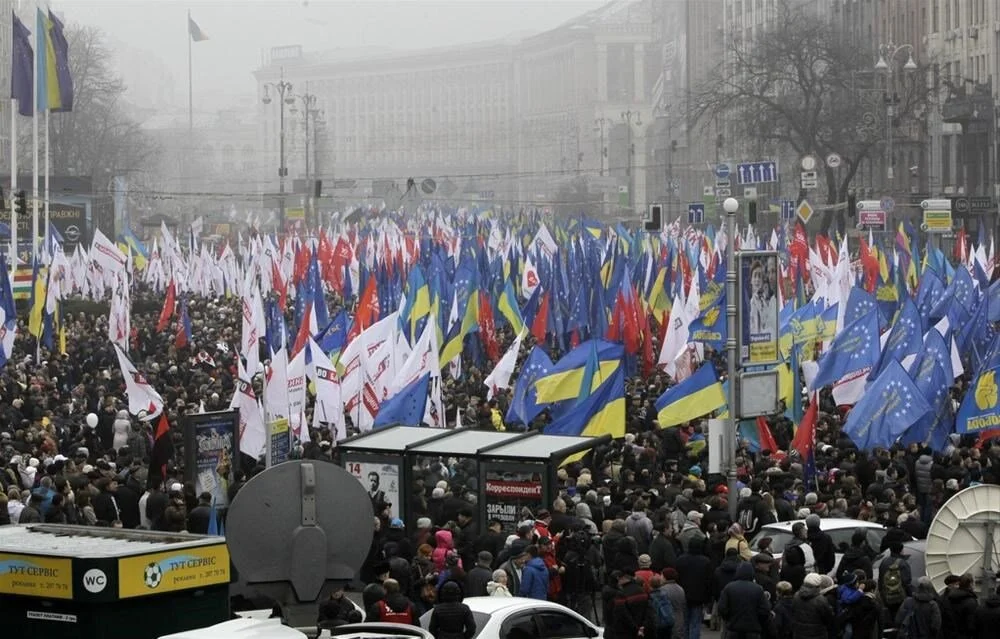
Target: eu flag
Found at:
x=891, y=404
x=931, y=379
x=22, y=82
x=860, y=302
x=524, y=405
x=407, y=406
x=904, y=339
x=854, y=349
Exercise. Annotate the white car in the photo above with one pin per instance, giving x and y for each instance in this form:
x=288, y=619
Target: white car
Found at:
x=376, y=630
x=257, y=628
x=840, y=530
x=496, y=616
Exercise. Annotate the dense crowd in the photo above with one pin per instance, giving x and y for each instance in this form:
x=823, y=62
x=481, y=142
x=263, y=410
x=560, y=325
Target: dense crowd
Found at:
x=640, y=539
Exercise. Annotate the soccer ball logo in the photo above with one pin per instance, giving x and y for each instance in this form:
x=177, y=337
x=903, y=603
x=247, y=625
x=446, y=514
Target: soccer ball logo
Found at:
x=152, y=576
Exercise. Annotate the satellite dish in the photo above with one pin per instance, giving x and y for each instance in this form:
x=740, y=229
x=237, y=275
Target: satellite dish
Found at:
x=965, y=537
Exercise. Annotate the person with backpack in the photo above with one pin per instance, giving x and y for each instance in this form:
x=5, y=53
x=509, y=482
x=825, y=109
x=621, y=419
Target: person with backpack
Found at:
x=664, y=620
x=743, y=606
x=919, y=617
x=894, y=581
x=395, y=607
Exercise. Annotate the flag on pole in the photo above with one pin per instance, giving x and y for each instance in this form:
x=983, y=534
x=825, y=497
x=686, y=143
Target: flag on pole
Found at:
x=163, y=451
x=143, y=400
x=197, y=35
x=58, y=74
x=22, y=56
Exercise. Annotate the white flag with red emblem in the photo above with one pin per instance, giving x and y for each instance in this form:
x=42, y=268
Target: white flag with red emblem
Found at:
x=529, y=278
x=143, y=400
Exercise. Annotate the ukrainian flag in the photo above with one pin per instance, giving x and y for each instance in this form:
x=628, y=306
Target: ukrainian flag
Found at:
x=507, y=304
x=418, y=301
x=602, y=413
x=139, y=252
x=38, y=298
x=696, y=396
x=565, y=379
x=470, y=322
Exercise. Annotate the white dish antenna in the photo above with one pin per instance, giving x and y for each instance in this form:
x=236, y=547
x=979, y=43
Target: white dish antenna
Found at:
x=965, y=537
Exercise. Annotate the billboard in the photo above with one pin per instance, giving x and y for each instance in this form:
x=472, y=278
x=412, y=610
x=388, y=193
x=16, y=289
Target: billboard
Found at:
x=210, y=444
x=758, y=310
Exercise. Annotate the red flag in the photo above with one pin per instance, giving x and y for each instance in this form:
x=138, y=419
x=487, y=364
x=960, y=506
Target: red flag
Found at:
x=765, y=436
x=540, y=326
x=168, y=308
x=805, y=435
x=163, y=450
x=367, y=311
x=487, y=328
x=279, y=286
x=303, y=334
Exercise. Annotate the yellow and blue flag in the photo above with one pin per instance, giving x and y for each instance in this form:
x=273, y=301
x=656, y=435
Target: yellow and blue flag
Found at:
x=695, y=397
x=564, y=380
x=507, y=305
x=53, y=84
x=601, y=413
x=524, y=404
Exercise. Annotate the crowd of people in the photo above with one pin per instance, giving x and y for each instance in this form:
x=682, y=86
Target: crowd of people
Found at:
x=640, y=539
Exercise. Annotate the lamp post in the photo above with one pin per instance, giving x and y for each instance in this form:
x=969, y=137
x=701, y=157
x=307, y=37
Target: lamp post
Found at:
x=731, y=205
x=308, y=110
x=284, y=91
x=627, y=117
x=887, y=64
x=599, y=124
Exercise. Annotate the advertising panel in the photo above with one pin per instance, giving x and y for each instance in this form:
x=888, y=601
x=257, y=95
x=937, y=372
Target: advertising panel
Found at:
x=381, y=480
x=210, y=439
x=32, y=576
x=181, y=569
x=508, y=492
x=758, y=318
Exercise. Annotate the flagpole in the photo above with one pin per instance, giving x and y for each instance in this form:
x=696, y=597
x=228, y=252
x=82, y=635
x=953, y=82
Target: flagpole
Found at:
x=13, y=186
x=48, y=159
x=34, y=144
x=190, y=82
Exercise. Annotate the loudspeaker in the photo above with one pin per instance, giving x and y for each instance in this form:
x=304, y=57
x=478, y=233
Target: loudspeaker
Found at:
x=317, y=188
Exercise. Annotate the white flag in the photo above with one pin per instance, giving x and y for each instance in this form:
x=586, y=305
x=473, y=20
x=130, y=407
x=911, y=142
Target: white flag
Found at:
x=143, y=400
x=106, y=254
x=296, y=391
x=499, y=378
x=253, y=435
x=329, y=405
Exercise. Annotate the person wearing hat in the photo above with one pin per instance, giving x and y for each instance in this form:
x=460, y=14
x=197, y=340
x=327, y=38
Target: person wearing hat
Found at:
x=32, y=512
x=678, y=601
x=694, y=570
x=396, y=534
x=812, y=614
x=645, y=572
x=691, y=530
x=743, y=606
x=821, y=544
x=480, y=575
x=920, y=616
x=763, y=564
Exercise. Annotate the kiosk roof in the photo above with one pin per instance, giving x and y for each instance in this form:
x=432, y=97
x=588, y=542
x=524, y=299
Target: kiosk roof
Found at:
x=389, y=440
x=57, y=540
x=463, y=442
x=543, y=447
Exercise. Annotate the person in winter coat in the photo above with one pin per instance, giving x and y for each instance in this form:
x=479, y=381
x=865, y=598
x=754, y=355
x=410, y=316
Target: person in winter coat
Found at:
x=762, y=565
x=988, y=617
x=793, y=568
x=920, y=617
x=726, y=572
x=858, y=556
x=963, y=605
x=923, y=470
x=859, y=612
x=395, y=607
x=812, y=615
x=452, y=619
x=678, y=600
x=694, y=572
x=781, y=620
x=336, y=611
x=821, y=544
x=497, y=587
x=738, y=541
x=662, y=551
x=645, y=572
x=743, y=606
x=480, y=575
x=639, y=527
x=627, y=609
x=443, y=542
x=120, y=429
x=534, y=577
x=691, y=530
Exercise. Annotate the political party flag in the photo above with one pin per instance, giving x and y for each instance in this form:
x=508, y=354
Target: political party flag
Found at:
x=143, y=400
x=197, y=35
x=889, y=406
x=524, y=406
x=852, y=350
x=696, y=396
x=162, y=452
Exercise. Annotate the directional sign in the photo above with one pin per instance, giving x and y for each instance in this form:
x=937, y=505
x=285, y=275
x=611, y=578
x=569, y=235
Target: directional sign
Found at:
x=810, y=184
x=787, y=209
x=757, y=172
x=723, y=192
x=696, y=213
x=872, y=219
x=723, y=183
x=937, y=215
x=805, y=211
x=722, y=171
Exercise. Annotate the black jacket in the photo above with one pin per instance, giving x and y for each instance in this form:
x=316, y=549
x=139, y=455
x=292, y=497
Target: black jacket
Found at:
x=823, y=550
x=742, y=603
x=793, y=568
x=988, y=618
x=724, y=574
x=862, y=616
x=922, y=617
x=812, y=615
x=476, y=580
x=452, y=620
x=662, y=552
x=963, y=607
x=694, y=574
x=855, y=558
x=334, y=612
x=198, y=520
x=630, y=611
x=781, y=623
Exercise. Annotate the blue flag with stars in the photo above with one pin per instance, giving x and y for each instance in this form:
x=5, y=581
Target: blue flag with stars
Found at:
x=524, y=405
x=859, y=303
x=932, y=380
x=929, y=294
x=904, y=339
x=891, y=404
x=407, y=406
x=853, y=349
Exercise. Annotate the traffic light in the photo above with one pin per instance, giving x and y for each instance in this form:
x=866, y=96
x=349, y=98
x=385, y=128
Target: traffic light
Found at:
x=21, y=203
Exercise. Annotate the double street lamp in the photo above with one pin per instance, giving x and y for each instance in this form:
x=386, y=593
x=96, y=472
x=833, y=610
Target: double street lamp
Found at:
x=887, y=64
x=284, y=91
x=309, y=110
x=629, y=118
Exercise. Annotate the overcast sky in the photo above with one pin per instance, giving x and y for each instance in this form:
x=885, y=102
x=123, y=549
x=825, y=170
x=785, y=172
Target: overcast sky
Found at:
x=239, y=30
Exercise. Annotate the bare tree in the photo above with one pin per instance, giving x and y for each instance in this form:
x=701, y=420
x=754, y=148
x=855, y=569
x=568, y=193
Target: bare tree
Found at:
x=804, y=85
x=97, y=138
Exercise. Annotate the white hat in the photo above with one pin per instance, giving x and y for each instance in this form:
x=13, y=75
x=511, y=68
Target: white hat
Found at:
x=176, y=487
x=86, y=469
x=33, y=462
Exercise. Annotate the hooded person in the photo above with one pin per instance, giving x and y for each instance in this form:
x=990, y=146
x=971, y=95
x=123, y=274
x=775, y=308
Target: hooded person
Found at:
x=920, y=616
x=451, y=619
x=443, y=542
x=812, y=614
x=743, y=605
x=534, y=576
x=395, y=607
x=858, y=556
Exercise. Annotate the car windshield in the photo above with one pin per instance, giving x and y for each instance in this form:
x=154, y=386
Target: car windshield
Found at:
x=841, y=539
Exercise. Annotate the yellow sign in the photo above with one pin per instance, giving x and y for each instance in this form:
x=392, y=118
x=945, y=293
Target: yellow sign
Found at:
x=47, y=577
x=182, y=569
x=805, y=211
x=298, y=213
x=937, y=220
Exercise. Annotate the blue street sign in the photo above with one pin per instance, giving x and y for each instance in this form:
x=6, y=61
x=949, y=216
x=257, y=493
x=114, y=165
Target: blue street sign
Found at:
x=757, y=172
x=696, y=213
x=787, y=209
x=887, y=204
x=722, y=171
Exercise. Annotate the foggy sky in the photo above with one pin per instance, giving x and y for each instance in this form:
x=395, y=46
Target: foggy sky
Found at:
x=239, y=30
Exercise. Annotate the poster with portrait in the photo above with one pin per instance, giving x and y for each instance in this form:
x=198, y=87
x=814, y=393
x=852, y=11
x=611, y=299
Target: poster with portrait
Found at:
x=381, y=480
x=758, y=311
x=508, y=492
x=210, y=443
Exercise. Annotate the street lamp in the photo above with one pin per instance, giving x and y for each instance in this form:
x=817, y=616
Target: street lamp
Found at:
x=731, y=205
x=284, y=91
x=308, y=110
x=599, y=124
x=887, y=64
x=627, y=117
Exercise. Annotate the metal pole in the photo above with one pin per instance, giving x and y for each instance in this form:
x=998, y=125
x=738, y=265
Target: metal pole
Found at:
x=190, y=81
x=281, y=158
x=13, y=188
x=731, y=205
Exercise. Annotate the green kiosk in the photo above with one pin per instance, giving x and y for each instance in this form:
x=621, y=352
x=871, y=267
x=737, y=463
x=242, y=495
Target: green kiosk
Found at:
x=77, y=582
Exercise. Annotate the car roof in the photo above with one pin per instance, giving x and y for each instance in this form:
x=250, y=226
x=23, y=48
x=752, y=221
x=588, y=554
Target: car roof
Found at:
x=381, y=630
x=241, y=628
x=832, y=523
x=491, y=605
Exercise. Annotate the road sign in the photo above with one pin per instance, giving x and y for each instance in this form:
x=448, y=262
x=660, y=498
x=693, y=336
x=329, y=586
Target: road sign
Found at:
x=805, y=211
x=937, y=216
x=757, y=172
x=722, y=171
x=723, y=184
x=887, y=204
x=696, y=213
x=808, y=163
x=975, y=205
x=723, y=192
x=872, y=219
x=787, y=209
x=750, y=191
x=808, y=175
x=833, y=160
x=708, y=190
x=810, y=184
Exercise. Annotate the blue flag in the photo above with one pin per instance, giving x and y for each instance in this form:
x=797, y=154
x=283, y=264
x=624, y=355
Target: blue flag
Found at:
x=603, y=411
x=859, y=303
x=931, y=379
x=524, y=407
x=333, y=336
x=904, y=339
x=854, y=349
x=890, y=405
x=407, y=406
